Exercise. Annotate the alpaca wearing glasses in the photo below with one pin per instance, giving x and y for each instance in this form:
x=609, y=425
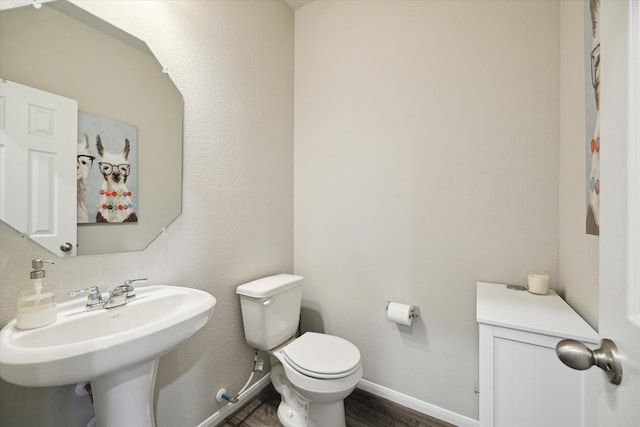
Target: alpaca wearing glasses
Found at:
x=115, y=199
x=85, y=161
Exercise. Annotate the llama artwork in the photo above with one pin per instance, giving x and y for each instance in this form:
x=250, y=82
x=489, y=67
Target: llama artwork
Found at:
x=85, y=162
x=592, y=43
x=115, y=198
x=110, y=187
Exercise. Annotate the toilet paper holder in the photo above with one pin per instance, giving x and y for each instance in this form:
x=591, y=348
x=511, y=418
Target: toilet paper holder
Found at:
x=414, y=311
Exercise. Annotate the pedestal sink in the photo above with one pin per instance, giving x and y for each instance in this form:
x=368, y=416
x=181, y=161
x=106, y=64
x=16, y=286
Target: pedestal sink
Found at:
x=116, y=349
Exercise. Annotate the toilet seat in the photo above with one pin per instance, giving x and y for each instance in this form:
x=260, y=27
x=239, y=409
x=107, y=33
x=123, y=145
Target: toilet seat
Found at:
x=322, y=356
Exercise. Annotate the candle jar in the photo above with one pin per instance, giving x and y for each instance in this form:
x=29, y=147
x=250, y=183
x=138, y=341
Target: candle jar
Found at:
x=538, y=284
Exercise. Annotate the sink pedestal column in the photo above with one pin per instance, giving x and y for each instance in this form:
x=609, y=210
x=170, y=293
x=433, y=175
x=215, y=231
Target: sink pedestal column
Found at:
x=125, y=398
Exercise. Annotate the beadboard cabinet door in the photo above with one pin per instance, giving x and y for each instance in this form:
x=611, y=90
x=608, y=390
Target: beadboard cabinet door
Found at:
x=522, y=382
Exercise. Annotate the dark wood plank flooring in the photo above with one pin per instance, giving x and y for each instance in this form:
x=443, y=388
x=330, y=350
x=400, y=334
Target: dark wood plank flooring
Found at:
x=362, y=409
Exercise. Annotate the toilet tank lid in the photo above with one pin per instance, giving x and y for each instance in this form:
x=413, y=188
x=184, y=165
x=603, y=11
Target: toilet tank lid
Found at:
x=269, y=286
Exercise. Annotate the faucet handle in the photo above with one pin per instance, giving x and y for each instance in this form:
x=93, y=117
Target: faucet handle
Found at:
x=130, y=282
x=127, y=288
x=93, y=291
x=94, y=297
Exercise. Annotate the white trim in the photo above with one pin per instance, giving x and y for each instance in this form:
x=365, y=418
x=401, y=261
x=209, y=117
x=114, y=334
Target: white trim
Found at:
x=417, y=405
x=378, y=390
x=244, y=398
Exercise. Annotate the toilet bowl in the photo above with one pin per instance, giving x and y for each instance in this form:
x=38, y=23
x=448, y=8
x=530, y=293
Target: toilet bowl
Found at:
x=323, y=370
x=313, y=373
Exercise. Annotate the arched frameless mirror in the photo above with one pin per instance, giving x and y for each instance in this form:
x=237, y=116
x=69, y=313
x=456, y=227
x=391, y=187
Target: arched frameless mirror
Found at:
x=63, y=50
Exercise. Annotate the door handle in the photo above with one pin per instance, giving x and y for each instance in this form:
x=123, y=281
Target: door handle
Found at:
x=578, y=356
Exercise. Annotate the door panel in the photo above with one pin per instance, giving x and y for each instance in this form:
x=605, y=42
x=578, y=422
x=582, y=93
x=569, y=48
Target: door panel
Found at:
x=619, y=263
x=38, y=147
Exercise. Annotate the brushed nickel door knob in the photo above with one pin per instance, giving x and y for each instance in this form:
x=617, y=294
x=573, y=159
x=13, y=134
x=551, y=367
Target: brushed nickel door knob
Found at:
x=578, y=356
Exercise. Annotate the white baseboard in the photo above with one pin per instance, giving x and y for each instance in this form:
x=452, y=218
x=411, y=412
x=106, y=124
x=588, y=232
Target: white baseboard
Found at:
x=417, y=405
x=243, y=399
x=373, y=388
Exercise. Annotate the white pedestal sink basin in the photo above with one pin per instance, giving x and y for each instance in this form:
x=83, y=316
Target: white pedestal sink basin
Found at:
x=116, y=349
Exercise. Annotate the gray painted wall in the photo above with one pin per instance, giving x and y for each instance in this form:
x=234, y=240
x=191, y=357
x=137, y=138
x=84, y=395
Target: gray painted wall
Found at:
x=426, y=159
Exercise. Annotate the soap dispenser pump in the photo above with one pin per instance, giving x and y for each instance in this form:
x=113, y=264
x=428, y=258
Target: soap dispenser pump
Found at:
x=37, y=302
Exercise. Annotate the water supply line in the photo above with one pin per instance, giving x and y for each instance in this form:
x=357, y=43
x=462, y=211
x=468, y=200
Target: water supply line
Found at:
x=257, y=367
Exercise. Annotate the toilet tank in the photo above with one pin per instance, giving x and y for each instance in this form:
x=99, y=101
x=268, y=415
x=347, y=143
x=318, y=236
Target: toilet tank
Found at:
x=270, y=309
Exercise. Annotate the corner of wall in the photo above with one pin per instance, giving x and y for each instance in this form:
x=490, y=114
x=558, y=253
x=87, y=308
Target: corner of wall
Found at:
x=578, y=252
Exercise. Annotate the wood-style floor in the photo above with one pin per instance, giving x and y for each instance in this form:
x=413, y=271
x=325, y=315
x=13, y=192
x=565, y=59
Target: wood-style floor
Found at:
x=362, y=409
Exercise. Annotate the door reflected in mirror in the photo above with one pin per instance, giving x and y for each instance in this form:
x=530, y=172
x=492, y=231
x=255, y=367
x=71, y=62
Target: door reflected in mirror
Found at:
x=64, y=50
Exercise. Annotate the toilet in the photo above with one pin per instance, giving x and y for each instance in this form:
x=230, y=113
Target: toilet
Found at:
x=313, y=373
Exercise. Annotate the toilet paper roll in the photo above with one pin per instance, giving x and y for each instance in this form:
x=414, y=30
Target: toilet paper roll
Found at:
x=399, y=313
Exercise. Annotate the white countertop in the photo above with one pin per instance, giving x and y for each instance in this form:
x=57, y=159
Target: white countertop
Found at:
x=545, y=314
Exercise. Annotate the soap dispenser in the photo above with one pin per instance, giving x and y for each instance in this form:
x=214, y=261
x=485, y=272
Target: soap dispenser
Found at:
x=37, y=302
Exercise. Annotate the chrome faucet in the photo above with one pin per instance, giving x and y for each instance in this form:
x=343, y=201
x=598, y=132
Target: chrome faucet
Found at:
x=94, y=299
x=121, y=294
x=118, y=296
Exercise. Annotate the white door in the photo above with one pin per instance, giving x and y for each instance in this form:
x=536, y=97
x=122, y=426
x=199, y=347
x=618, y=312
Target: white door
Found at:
x=38, y=148
x=620, y=207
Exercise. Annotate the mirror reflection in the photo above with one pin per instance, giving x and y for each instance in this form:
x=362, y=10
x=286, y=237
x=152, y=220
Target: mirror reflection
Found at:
x=127, y=147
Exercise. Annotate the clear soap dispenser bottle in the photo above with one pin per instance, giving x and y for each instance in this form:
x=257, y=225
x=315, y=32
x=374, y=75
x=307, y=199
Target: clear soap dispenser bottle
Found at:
x=36, y=302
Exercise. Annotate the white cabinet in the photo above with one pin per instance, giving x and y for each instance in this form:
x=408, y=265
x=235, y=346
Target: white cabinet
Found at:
x=522, y=382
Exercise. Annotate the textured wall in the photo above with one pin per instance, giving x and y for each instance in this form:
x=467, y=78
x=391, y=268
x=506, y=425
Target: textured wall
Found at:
x=426, y=158
x=233, y=63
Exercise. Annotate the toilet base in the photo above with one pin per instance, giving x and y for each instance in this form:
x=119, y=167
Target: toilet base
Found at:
x=327, y=414
x=296, y=411
x=290, y=418
x=320, y=415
